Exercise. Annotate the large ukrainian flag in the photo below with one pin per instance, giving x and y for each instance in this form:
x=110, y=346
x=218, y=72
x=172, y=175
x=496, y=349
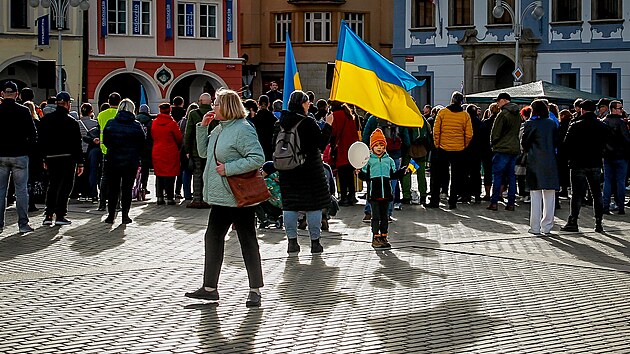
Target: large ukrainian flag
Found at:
x=365, y=78
x=291, y=76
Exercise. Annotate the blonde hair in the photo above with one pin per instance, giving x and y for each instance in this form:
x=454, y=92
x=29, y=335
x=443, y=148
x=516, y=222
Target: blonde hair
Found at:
x=494, y=108
x=127, y=105
x=31, y=107
x=191, y=107
x=230, y=105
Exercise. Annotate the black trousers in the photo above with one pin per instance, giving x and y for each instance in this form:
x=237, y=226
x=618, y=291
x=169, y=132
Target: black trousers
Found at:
x=165, y=186
x=440, y=172
x=61, y=172
x=380, y=219
x=120, y=181
x=104, y=184
x=472, y=182
x=219, y=222
x=581, y=180
x=346, y=183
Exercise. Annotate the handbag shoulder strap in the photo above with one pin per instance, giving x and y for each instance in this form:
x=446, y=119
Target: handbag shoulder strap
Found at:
x=215, y=149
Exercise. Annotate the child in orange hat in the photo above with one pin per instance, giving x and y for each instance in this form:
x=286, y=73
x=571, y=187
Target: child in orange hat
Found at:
x=378, y=173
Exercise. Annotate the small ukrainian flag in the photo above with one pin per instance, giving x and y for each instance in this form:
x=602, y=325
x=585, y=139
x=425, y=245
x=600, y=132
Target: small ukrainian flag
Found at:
x=413, y=166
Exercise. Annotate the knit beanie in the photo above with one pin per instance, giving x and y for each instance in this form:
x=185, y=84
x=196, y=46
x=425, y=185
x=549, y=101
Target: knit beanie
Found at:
x=144, y=109
x=377, y=137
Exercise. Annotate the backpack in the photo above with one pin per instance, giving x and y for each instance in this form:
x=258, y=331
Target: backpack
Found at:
x=392, y=134
x=287, y=154
x=423, y=142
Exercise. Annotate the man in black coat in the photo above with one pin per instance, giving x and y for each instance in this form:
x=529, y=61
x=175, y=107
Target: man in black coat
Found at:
x=273, y=93
x=17, y=138
x=60, y=144
x=615, y=154
x=584, y=145
x=264, y=122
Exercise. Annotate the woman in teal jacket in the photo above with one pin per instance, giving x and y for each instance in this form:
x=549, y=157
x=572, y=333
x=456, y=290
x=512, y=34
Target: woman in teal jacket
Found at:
x=232, y=148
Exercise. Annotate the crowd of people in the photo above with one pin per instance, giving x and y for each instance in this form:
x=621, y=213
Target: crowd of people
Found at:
x=536, y=153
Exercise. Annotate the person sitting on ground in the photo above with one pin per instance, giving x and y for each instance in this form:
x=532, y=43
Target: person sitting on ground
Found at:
x=270, y=211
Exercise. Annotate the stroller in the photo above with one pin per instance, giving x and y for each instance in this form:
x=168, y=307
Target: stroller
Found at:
x=137, y=192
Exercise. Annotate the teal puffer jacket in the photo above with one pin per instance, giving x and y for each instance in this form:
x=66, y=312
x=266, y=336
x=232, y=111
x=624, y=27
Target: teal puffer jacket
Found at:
x=237, y=147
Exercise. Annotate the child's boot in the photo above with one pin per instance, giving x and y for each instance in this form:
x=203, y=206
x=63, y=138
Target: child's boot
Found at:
x=384, y=243
x=376, y=241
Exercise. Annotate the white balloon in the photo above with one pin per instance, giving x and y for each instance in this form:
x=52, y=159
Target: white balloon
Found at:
x=358, y=154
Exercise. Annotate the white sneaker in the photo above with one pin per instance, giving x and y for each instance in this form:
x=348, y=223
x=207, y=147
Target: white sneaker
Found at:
x=527, y=199
x=397, y=206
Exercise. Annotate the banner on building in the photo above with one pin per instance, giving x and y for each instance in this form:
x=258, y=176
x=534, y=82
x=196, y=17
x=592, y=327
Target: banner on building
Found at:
x=43, y=31
x=190, y=20
x=135, y=16
x=103, y=18
x=169, y=19
x=228, y=20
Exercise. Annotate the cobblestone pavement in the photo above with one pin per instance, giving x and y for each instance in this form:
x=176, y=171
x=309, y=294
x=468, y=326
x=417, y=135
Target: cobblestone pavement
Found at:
x=455, y=281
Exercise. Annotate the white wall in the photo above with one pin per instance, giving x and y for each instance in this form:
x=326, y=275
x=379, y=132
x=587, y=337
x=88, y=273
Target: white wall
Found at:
x=586, y=62
x=448, y=73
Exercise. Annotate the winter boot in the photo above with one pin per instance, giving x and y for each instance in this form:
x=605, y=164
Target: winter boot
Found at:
x=316, y=247
x=571, y=225
x=384, y=242
x=598, y=225
x=294, y=247
x=376, y=241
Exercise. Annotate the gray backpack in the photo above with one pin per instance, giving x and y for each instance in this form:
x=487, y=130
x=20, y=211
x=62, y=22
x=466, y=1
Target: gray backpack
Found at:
x=287, y=154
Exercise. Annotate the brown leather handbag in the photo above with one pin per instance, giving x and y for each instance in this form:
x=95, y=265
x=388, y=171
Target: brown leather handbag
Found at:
x=248, y=188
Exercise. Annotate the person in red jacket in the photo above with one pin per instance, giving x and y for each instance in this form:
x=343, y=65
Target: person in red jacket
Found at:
x=344, y=132
x=167, y=138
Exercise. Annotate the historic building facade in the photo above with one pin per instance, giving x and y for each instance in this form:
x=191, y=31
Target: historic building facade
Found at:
x=20, y=52
x=167, y=47
x=583, y=44
x=313, y=27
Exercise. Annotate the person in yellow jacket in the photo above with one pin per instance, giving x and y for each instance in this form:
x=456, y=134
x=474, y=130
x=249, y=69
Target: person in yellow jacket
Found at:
x=452, y=133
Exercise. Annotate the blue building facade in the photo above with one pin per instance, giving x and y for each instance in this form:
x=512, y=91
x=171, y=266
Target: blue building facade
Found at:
x=460, y=44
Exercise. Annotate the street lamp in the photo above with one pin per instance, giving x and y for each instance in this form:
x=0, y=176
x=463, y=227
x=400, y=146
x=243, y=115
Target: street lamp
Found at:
x=517, y=26
x=59, y=8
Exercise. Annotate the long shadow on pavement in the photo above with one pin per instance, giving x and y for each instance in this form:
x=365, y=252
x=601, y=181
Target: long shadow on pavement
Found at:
x=212, y=339
x=622, y=246
x=395, y=272
x=312, y=287
x=93, y=243
x=18, y=244
x=451, y=327
x=587, y=253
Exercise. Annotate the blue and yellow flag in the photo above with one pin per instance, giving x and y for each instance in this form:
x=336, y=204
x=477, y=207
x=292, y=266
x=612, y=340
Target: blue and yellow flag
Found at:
x=291, y=75
x=413, y=166
x=365, y=78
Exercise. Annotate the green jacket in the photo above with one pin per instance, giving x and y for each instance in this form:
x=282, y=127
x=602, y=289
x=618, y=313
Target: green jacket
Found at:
x=237, y=147
x=190, y=138
x=103, y=118
x=505, y=130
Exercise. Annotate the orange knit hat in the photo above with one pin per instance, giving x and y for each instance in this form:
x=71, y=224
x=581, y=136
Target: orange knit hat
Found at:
x=377, y=137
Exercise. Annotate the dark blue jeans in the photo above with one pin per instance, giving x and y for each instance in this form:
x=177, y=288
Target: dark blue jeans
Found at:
x=615, y=175
x=503, y=166
x=581, y=179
